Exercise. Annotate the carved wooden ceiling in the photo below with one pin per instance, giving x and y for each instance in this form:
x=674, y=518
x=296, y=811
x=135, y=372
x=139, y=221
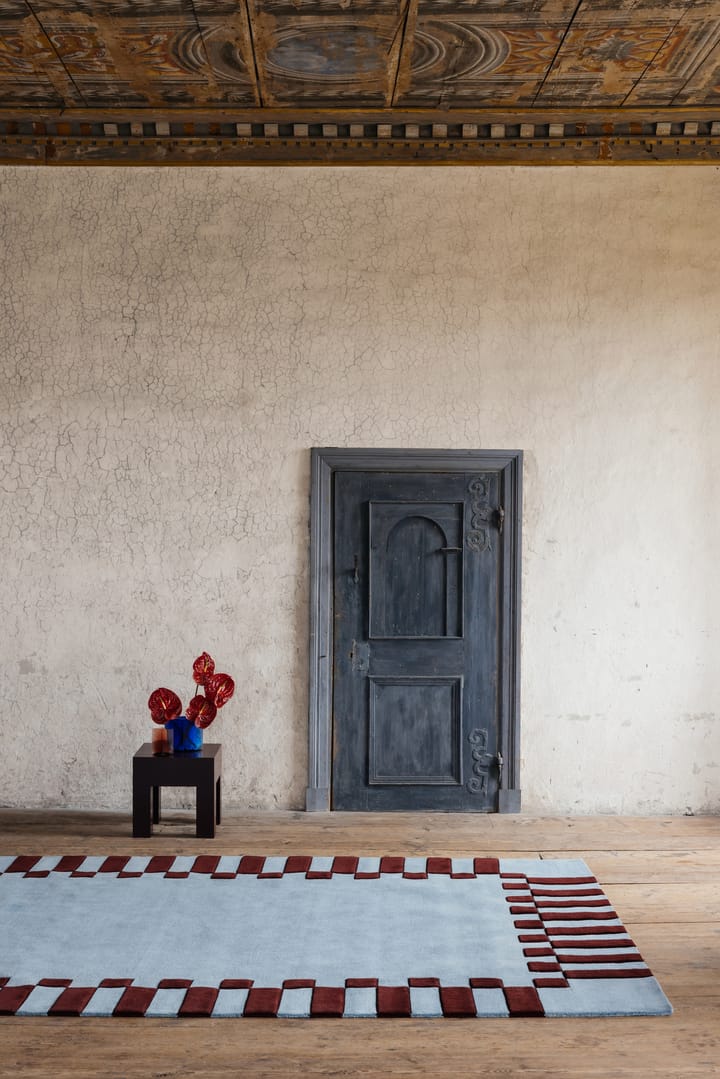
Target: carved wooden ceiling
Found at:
x=334, y=81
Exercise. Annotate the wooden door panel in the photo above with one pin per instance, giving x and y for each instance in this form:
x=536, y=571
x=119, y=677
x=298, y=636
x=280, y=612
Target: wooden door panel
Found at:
x=415, y=569
x=416, y=642
x=415, y=731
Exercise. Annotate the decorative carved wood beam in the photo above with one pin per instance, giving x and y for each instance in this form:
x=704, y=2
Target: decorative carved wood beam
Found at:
x=400, y=67
x=385, y=136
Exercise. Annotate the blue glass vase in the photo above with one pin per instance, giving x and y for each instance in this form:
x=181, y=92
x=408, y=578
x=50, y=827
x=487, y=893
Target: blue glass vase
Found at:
x=187, y=738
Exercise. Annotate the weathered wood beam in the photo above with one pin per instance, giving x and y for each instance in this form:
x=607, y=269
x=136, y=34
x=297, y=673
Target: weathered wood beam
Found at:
x=285, y=115
x=399, y=66
x=284, y=136
x=113, y=149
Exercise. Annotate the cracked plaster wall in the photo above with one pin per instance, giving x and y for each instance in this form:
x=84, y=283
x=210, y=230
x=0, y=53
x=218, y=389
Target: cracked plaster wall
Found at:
x=173, y=343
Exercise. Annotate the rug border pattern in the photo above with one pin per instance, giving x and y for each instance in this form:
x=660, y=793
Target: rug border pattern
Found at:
x=568, y=931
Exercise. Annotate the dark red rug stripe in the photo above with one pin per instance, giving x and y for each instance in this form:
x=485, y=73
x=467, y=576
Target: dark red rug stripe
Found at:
x=457, y=1002
x=549, y=904
x=205, y=863
x=251, y=864
x=72, y=1001
x=644, y=973
x=297, y=863
x=160, y=863
x=114, y=864
x=236, y=983
x=134, y=1002
x=562, y=880
x=393, y=1002
x=24, y=863
x=424, y=983
x=623, y=942
x=523, y=1002
x=486, y=983
x=564, y=892
x=392, y=865
x=550, y=983
x=486, y=866
x=69, y=863
x=439, y=866
x=199, y=1002
x=13, y=997
x=299, y=983
x=631, y=957
x=263, y=1003
x=345, y=865
x=586, y=930
x=578, y=916
x=328, y=1002
x=175, y=983
x=361, y=983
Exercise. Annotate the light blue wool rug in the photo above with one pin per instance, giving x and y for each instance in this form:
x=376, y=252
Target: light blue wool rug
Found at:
x=314, y=936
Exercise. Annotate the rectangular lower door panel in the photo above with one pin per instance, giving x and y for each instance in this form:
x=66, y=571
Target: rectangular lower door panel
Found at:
x=415, y=731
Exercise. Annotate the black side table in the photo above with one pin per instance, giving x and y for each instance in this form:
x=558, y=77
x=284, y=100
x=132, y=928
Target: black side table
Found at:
x=201, y=769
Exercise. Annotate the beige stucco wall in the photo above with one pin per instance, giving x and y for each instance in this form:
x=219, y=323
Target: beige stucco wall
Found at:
x=174, y=342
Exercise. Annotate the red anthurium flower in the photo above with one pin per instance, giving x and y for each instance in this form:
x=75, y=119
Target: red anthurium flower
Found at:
x=219, y=688
x=201, y=711
x=203, y=667
x=164, y=705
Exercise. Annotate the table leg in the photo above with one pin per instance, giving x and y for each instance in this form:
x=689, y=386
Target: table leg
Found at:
x=156, y=805
x=218, y=799
x=205, y=812
x=142, y=822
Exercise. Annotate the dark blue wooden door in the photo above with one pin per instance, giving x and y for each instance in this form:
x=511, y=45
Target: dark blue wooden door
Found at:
x=416, y=640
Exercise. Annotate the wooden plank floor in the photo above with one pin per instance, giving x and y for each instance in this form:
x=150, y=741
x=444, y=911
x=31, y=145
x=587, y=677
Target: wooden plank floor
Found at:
x=663, y=874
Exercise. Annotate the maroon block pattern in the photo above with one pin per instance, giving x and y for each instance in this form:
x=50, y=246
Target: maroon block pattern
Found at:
x=567, y=928
x=554, y=904
x=79, y=866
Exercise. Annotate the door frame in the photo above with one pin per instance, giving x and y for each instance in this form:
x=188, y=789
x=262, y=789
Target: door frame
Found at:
x=324, y=463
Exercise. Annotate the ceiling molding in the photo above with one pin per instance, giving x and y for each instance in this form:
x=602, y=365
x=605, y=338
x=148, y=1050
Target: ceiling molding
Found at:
x=280, y=82
x=312, y=137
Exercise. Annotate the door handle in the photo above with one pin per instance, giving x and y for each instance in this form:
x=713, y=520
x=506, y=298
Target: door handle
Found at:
x=444, y=550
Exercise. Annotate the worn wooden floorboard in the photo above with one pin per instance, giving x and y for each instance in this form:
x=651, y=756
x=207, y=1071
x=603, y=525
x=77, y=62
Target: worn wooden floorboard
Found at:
x=650, y=866
x=345, y=833
x=663, y=874
x=699, y=902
